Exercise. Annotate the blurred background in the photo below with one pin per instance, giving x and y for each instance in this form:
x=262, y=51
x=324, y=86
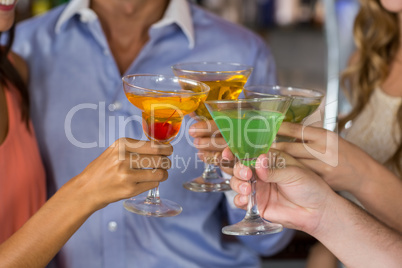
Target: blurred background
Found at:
x=311, y=41
x=293, y=29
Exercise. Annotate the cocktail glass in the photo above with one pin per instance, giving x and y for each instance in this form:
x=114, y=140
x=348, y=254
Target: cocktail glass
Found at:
x=164, y=101
x=249, y=127
x=305, y=102
x=226, y=81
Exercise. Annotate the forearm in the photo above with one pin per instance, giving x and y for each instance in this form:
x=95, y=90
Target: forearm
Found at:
x=381, y=195
x=356, y=238
x=38, y=241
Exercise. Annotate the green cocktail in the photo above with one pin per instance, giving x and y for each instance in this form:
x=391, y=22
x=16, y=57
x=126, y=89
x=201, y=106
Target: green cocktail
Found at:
x=305, y=102
x=248, y=133
x=249, y=127
x=299, y=110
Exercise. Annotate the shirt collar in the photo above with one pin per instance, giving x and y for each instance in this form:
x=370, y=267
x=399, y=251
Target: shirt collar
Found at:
x=75, y=7
x=178, y=11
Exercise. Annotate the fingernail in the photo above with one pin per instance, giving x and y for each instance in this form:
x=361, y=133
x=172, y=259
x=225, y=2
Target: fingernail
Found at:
x=196, y=141
x=243, y=173
x=243, y=199
x=243, y=188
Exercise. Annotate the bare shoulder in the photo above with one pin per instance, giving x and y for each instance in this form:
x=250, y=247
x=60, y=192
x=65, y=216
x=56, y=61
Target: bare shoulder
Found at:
x=21, y=66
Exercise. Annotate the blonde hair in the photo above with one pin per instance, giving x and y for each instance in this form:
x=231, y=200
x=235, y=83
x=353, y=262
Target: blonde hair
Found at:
x=377, y=39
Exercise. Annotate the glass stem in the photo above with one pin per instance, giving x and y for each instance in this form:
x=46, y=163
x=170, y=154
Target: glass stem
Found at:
x=210, y=172
x=252, y=209
x=153, y=196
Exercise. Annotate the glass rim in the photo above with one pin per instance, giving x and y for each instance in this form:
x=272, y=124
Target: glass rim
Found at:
x=217, y=63
x=317, y=94
x=273, y=98
x=204, y=87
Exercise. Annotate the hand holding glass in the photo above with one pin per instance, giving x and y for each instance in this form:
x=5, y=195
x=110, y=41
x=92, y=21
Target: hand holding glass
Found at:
x=249, y=127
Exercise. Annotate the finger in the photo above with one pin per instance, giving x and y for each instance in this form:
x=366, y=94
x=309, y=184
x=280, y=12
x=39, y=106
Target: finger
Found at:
x=143, y=147
x=278, y=159
x=148, y=161
x=240, y=186
x=316, y=166
x=228, y=155
x=269, y=170
x=205, y=128
x=242, y=172
x=148, y=175
x=274, y=159
x=301, y=132
x=139, y=188
x=298, y=150
x=227, y=170
x=210, y=143
x=241, y=201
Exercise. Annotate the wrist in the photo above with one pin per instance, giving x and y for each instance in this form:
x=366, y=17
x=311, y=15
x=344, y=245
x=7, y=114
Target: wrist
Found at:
x=323, y=219
x=366, y=176
x=73, y=192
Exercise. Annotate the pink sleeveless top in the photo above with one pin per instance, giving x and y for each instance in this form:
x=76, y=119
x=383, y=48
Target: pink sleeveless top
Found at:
x=22, y=176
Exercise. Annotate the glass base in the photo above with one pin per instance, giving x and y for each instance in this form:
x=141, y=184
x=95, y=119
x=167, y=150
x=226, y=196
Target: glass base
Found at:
x=162, y=208
x=256, y=226
x=202, y=185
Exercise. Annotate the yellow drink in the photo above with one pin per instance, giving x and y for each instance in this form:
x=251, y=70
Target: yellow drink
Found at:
x=228, y=89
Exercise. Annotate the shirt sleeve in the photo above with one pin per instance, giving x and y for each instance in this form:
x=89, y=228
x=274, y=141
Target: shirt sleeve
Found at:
x=264, y=72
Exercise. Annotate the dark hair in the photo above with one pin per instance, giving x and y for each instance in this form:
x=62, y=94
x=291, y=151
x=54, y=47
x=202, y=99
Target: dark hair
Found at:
x=8, y=73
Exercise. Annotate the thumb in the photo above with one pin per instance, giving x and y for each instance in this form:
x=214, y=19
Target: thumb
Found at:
x=227, y=154
x=277, y=167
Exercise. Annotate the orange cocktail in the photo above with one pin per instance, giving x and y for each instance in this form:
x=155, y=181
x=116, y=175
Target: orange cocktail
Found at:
x=164, y=101
x=162, y=116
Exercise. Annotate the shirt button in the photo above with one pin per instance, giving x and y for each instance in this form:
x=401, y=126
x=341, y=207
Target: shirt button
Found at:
x=115, y=106
x=112, y=226
x=106, y=52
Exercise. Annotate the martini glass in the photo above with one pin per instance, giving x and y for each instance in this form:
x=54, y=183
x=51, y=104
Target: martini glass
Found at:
x=249, y=127
x=226, y=81
x=164, y=101
x=305, y=102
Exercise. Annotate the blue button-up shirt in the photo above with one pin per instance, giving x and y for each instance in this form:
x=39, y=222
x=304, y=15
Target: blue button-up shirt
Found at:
x=79, y=108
